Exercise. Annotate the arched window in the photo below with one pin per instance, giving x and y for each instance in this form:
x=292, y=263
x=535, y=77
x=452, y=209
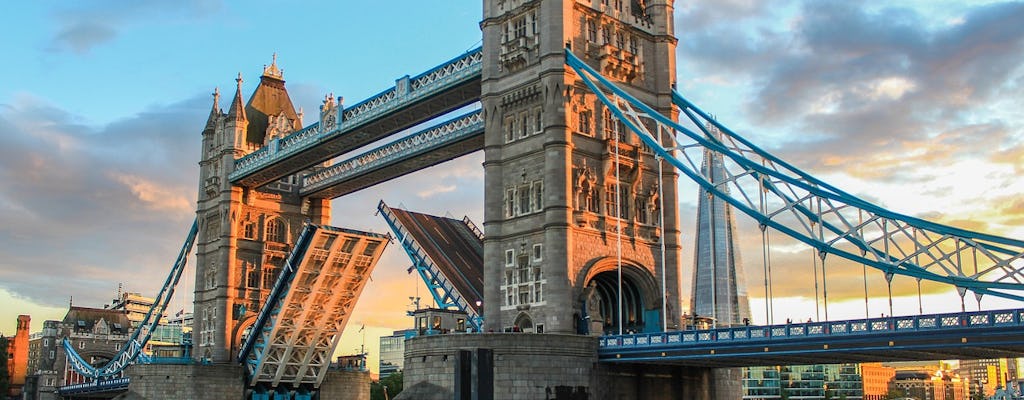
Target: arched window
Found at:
x=275, y=231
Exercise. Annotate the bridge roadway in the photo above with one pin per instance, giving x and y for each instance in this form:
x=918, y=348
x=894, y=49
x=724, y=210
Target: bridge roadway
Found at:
x=447, y=87
x=972, y=335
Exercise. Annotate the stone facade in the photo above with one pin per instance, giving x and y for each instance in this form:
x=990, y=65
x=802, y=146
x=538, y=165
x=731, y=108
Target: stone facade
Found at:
x=525, y=366
x=560, y=171
x=245, y=233
x=199, y=382
x=546, y=366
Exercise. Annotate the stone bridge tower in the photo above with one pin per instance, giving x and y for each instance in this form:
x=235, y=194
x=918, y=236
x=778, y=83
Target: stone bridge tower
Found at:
x=563, y=177
x=245, y=234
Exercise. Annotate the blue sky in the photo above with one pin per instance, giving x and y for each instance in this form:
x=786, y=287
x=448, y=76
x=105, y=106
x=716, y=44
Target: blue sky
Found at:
x=912, y=104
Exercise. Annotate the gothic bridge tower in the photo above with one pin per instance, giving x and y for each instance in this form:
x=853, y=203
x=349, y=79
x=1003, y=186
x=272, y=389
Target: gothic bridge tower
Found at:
x=563, y=178
x=245, y=233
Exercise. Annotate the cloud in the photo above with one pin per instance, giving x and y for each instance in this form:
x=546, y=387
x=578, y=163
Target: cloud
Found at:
x=81, y=36
x=81, y=27
x=80, y=202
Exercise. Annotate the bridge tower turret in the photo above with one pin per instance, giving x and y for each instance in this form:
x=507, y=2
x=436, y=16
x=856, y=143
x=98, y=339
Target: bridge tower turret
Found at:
x=245, y=232
x=563, y=178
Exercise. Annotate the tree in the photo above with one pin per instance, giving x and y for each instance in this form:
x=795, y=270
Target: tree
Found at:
x=5, y=379
x=392, y=382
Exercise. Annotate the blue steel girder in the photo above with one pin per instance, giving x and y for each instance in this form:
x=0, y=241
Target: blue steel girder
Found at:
x=807, y=209
x=982, y=334
x=136, y=343
x=441, y=289
x=439, y=143
x=450, y=85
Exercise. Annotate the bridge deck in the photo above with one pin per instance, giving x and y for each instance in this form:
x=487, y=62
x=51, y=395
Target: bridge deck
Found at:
x=448, y=140
x=453, y=247
x=984, y=334
x=411, y=101
x=301, y=322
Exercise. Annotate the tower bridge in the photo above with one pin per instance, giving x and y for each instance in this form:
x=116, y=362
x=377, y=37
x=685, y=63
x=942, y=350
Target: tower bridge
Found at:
x=583, y=149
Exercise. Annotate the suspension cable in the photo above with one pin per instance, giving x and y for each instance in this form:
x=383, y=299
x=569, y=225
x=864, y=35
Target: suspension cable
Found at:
x=618, y=222
x=661, y=221
x=766, y=262
x=714, y=256
x=817, y=301
x=823, y=254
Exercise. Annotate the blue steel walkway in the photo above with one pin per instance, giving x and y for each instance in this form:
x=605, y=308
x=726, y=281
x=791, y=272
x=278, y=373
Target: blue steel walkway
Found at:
x=970, y=335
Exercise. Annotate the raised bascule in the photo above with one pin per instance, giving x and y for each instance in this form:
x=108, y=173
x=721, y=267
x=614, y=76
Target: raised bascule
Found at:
x=584, y=140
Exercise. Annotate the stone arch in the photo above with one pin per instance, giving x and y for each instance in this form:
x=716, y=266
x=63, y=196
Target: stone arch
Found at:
x=241, y=330
x=524, y=323
x=598, y=285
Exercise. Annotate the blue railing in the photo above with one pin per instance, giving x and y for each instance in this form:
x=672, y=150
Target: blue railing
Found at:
x=798, y=331
x=96, y=386
x=406, y=91
x=451, y=131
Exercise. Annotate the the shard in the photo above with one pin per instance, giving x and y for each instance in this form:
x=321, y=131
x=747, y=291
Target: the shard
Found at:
x=719, y=285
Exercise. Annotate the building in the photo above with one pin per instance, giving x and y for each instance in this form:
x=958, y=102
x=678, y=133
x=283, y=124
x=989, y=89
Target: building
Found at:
x=819, y=381
x=17, y=356
x=96, y=334
x=564, y=177
x=136, y=305
x=719, y=283
x=985, y=375
x=929, y=385
x=876, y=380
x=392, y=352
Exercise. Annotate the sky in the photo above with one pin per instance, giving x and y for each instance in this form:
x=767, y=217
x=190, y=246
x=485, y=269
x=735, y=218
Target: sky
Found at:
x=914, y=105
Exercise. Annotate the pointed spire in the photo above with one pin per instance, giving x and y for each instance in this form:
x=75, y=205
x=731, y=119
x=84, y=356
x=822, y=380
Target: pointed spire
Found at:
x=237, y=109
x=211, y=121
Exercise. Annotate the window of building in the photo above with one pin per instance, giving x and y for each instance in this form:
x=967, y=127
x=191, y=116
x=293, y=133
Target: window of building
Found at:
x=510, y=126
x=620, y=40
x=533, y=23
x=584, y=123
x=349, y=245
x=591, y=31
x=275, y=230
x=52, y=355
x=81, y=345
x=611, y=201
x=510, y=202
x=606, y=35
x=537, y=196
x=524, y=125
x=249, y=230
x=371, y=247
x=523, y=194
x=510, y=257
x=211, y=276
x=268, y=276
x=46, y=342
x=538, y=252
x=519, y=27
x=632, y=45
x=538, y=122
x=252, y=276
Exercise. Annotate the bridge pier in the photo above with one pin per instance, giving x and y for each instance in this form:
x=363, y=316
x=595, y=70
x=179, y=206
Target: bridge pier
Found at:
x=225, y=381
x=545, y=366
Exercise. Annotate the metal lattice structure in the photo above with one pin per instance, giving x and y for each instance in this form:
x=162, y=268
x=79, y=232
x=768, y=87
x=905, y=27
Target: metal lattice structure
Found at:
x=416, y=146
x=301, y=322
x=132, y=348
x=782, y=197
